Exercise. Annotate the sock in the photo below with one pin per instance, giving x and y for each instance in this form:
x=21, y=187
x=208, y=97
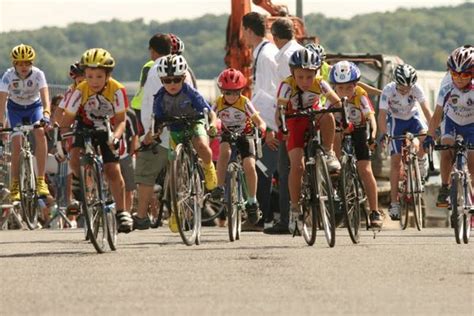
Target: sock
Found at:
x=252, y=200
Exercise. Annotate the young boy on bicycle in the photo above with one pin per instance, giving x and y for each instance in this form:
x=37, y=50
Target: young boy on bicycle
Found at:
x=455, y=102
x=25, y=92
x=399, y=101
x=301, y=91
x=177, y=98
x=97, y=97
x=344, y=76
x=237, y=115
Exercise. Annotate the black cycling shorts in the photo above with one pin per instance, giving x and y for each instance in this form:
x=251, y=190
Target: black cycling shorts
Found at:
x=245, y=146
x=359, y=142
x=100, y=141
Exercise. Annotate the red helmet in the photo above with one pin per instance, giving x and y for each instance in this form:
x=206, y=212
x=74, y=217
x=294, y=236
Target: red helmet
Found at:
x=231, y=79
x=177, y=45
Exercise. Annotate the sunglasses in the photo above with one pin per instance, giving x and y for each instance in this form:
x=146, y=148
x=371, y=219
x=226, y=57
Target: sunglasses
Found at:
x=231, y=92
x=461, y=75
x=172, y=80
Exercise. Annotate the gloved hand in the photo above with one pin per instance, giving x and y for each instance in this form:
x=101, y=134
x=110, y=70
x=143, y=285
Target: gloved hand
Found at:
x=428, y=142
x=45, y=121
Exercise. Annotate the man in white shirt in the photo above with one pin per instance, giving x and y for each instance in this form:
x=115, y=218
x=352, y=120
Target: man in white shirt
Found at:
x=265, y=80
x=284, y=37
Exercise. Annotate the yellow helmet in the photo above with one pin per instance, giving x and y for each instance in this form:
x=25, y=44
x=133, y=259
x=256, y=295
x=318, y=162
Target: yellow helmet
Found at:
x=97, y=58
x=22, y=52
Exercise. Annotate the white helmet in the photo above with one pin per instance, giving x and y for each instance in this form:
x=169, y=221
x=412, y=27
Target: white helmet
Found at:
x=172, y=66
x=405, y=75
x=344, y=72
x=318, y=49
x=461, y=59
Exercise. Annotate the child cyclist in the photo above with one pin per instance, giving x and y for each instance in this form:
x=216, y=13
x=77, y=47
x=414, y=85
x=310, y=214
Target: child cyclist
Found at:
x=344, y=76
x=301, y=91
x=25, y=91
x=178, y=98
x=455, y=102
x=98, y=96
x=398, y=102
x=237, y=115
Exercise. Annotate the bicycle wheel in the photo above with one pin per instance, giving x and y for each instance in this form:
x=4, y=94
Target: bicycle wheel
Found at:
x=467, y=215
x=232, y=200
x=184, y=199
x=417, y=188
x=309, y=205
x=28, y=196
x=457, y=205
x=405, y=202
x=350, y=198
x=325, y=198
x=92, y=209
x=111, y=222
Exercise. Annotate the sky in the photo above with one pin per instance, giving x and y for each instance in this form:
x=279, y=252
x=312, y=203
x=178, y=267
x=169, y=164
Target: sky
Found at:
x=33, y=14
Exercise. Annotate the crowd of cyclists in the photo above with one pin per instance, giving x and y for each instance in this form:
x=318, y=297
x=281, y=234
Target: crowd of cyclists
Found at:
x=138, y=150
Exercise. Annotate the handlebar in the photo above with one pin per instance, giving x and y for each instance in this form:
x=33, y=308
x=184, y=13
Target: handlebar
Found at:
x=408, y=136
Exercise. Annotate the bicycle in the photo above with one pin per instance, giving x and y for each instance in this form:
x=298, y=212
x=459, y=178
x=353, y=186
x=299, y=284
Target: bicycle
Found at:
x=27, y=180
x=98, y=211
x=461, y=190
x=187, y=191
x=317, y=199
x=236, y=185
x=411, y=188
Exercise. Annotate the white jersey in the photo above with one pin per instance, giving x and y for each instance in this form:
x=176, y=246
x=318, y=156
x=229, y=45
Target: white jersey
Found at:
x=458, y=104
x=445, y=86
x=23, y=91
x=400, y=106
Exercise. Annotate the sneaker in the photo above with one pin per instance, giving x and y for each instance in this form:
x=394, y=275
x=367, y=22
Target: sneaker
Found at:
x=15, y=191
x=267, y=225
x=296, y=220
x=394, y=211
x=253, y=213
x=124, y=222
x=217, y=195
x=141, y=223
x=277, y=229
x=210, y=177
x=376, y=219
x=73, y=224
x=443, y=194
x=41, y=187
x=172, y=223
x=332, y=162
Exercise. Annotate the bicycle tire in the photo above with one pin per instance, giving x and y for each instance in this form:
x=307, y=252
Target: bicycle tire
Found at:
x=28, y=196
x=309, y=206
x=182, y=190
x=350, y=199
x=91, y=207
x=467, y=215
x=457, y=217
x=232, y=201
x=111, y=222
x=416, y=193
x=405, y=202
x=325, y=198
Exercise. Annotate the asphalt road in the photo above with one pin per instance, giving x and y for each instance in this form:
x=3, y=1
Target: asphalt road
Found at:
x=152, y=272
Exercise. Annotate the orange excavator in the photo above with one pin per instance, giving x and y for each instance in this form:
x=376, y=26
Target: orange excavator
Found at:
x=238, y=54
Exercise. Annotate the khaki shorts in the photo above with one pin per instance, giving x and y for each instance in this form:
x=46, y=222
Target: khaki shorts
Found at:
x=149, y=165
x=126, y=167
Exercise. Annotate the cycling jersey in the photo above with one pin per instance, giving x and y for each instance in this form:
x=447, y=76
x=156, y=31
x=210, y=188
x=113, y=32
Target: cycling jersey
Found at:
x=236, y=117
x=297, y=100
x=360, y=107
x=93, y=107
x=67, y=95
x=187, y=102
x=458, y=104
x=401, y=106
x=23, y=92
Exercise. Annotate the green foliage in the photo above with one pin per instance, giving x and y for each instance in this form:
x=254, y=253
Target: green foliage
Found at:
x=421, y=37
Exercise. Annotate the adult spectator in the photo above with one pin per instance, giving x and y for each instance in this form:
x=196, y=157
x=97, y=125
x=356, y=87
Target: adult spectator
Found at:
x=284, y=38
x=265, y=81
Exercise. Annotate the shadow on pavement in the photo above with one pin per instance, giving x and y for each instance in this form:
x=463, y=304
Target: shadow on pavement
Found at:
x=49, y=254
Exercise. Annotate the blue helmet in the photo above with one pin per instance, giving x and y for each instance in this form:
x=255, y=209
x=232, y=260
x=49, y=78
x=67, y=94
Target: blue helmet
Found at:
x=306, y=59
x=344, y=72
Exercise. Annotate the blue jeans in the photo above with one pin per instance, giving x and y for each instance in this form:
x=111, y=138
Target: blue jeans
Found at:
x=283, y=172
x=264, y=187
